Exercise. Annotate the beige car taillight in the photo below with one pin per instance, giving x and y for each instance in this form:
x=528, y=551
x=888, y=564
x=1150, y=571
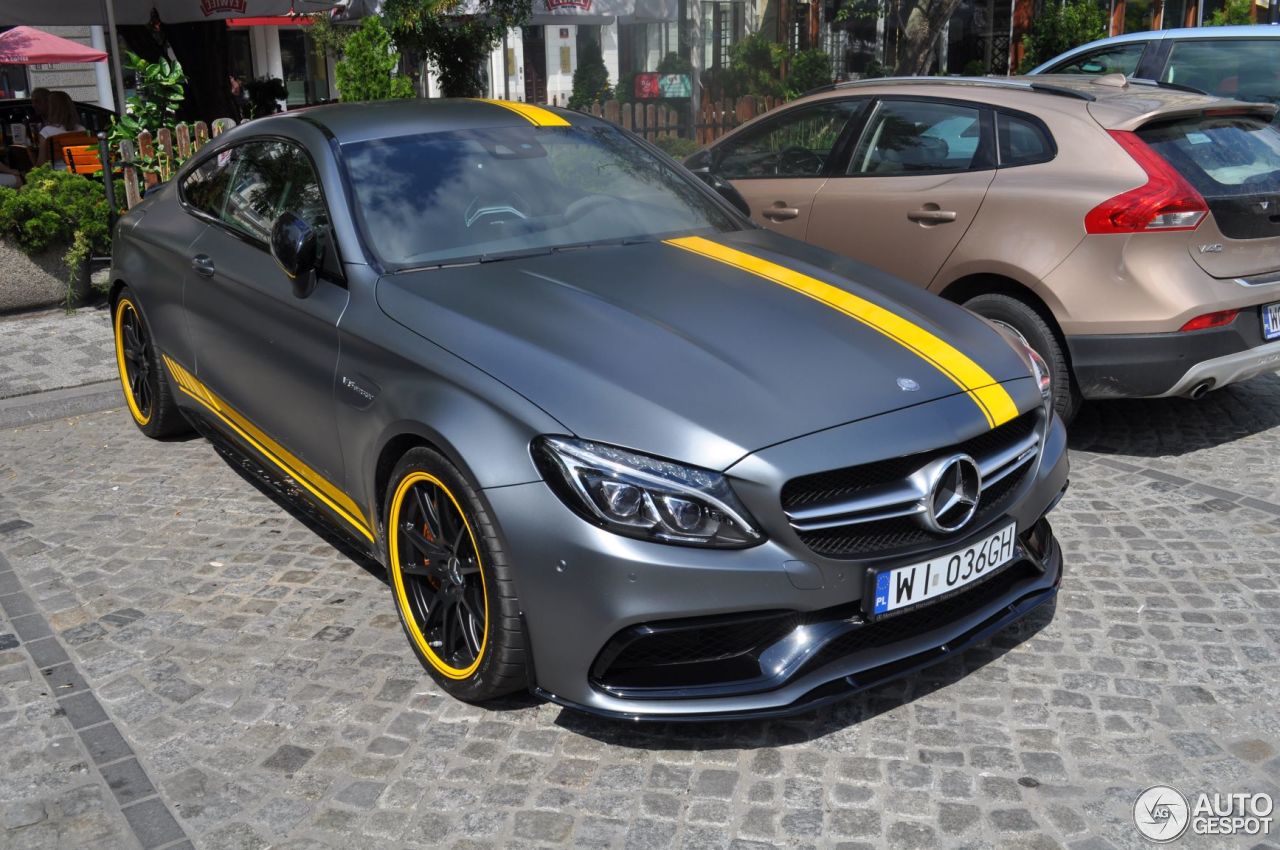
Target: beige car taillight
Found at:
x=1166, y=202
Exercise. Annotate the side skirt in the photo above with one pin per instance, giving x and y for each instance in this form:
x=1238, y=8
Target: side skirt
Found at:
x=294, y=497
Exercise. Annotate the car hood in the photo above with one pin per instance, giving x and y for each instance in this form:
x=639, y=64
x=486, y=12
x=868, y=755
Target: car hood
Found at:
x=675, y=353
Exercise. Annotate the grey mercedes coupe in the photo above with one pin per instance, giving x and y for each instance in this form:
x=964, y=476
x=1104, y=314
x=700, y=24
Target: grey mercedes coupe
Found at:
x=611, y=442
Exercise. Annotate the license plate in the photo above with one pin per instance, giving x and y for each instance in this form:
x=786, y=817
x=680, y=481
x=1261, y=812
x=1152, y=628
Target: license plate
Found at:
x=896, y=588
x=1271, y=321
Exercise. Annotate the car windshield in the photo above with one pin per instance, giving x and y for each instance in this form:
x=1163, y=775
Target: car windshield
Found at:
x=1227, y=156
x=434, y=198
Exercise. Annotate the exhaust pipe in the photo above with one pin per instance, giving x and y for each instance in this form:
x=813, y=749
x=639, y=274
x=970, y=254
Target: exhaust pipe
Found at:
x=1199, y=390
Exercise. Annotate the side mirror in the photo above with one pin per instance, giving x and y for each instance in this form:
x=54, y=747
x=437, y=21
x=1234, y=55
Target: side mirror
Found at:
x=294, y=247
x=725, y=190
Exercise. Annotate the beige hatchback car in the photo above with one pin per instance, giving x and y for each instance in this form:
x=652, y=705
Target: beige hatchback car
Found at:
x=1129, y=231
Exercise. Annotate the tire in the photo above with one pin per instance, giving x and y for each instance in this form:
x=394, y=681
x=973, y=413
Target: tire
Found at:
x=1027, y=321
x=439, y=599
x=147, y=392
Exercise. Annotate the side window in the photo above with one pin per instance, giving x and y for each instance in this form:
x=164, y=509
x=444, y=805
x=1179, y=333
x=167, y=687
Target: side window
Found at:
x=205, y=188
x=797, y=143
x=1116, y=59
x=1022, y=142
x=272, y=177
x=920, y=137
x=1247, y=69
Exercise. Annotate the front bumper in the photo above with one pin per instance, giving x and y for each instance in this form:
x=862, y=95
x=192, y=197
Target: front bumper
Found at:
x=1172, y=364
x=580, y=587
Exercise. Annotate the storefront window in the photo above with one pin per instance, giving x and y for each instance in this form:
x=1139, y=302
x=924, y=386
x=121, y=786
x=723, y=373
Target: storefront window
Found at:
x=306, y=72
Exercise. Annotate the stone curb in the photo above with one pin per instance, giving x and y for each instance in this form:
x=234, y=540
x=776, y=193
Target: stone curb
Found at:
x=59, y=404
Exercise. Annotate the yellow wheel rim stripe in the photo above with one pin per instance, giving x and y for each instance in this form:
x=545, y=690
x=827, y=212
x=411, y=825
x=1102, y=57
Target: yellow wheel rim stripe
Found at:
x=991, y=398
x=315, y=483
x=402, y=597
x=535, y=115
x=124, y=304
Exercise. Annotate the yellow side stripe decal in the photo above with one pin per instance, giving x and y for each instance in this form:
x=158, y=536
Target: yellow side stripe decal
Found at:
x=991, y=398
x=535, y=115
x=340, y=502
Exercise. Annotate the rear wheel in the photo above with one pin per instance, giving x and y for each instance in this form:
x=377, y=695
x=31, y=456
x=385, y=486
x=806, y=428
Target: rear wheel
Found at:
x=147, y=391
x=1024, y=319
x=451, y=581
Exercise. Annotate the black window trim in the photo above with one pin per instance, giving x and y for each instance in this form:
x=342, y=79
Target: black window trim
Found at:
x=986, y=152
x=336, y=275
x=1035, y=121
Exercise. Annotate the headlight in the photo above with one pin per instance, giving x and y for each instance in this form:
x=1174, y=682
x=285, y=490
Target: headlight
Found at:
x=645, y=497
x=1039, y=366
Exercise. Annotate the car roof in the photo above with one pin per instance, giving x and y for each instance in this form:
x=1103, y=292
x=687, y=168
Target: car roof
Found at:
x=357, y=122
x=1246, y=31
x=1113, y=100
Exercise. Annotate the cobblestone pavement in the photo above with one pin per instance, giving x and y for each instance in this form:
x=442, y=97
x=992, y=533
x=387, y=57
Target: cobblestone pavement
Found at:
x=54, y=349
x=236, y=681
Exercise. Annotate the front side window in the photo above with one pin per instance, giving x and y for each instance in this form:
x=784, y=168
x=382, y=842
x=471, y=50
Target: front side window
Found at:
x=432, y=198
x=1245, y=69
x=920, y=137
x=205, y=187
x=797, y=143
x=1116, y=59
x=270, y=178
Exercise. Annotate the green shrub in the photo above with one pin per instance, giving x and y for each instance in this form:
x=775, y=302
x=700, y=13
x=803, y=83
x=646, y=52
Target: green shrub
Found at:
x=367, y=68
x=677, y=147
x=1058, y=28
x=810, y=69
x=1233, y=13
x=590, y=78
x=54, y=209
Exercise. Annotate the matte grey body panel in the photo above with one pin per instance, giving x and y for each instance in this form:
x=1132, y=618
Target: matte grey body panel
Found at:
x=658, y=349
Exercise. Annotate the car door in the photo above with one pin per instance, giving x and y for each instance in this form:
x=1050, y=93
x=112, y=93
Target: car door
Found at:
x=910, y=188
x=779, y=164
x=267, y=354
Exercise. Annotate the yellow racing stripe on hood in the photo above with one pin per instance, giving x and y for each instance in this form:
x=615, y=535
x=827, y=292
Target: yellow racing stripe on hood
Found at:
x=535, y=115
x=991, y=398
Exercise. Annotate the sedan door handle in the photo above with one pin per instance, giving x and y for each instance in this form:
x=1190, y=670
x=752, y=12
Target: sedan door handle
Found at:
x=780, y=212
x=202, y=265
x=928, y=216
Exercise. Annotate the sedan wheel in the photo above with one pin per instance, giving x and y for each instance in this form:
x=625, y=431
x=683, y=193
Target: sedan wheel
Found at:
x=451, y=582
x=147, y=391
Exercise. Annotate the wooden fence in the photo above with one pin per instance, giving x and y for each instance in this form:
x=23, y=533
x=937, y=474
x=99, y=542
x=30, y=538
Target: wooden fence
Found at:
x=152, y=159
x=713, y=120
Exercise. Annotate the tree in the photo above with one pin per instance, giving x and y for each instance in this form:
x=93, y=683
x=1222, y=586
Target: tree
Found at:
x=1058, y=28
x=1234, y=12
x=590, y=78
x=455, y=44
x=366, y=70
x=920, y=25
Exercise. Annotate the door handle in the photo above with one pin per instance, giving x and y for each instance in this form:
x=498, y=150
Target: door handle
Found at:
x=202, y=265
x=780, y=212
x=934, y=216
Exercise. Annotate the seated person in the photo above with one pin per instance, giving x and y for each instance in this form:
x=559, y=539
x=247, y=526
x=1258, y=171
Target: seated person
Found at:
x=61, y=117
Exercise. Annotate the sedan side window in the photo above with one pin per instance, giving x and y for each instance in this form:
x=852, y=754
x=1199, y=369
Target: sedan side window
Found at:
x=271, y=178
x=205, y=188
x=1245, y=69
x=797, y=143
x=921, y=137
x=1116, y=59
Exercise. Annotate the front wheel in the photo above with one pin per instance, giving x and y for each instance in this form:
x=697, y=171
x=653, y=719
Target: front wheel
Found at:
x=451, y=581
x=1024, y=319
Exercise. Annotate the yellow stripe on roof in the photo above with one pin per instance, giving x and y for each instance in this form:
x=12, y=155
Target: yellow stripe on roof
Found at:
x=991, y=398
x=536, y=115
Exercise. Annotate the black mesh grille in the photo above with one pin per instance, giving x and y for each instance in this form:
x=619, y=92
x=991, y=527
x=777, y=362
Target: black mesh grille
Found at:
x=892, y=535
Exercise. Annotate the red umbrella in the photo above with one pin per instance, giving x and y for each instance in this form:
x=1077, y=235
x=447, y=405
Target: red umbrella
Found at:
x=30, y=46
